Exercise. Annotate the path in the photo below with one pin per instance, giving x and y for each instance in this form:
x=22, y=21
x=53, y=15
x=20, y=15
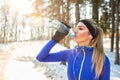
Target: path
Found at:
x=4, y=57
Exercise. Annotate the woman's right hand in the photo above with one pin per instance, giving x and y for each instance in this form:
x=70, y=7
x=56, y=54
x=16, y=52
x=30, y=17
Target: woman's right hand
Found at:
x=59, y=35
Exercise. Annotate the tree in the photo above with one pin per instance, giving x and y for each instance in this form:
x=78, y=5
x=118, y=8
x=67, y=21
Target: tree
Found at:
x=117, y=32
x=15, y=25
x=5, y=11
x=104, y=18
x=77, y=10
x=112, y=5
x=95, y=6
x=38, y=16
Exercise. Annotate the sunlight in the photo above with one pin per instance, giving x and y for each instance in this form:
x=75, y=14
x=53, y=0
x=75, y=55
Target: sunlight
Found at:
x=22, y=6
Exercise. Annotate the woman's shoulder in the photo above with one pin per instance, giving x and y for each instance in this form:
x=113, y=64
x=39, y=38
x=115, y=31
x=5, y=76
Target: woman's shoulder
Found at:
x=107, y=61
x=70, y=52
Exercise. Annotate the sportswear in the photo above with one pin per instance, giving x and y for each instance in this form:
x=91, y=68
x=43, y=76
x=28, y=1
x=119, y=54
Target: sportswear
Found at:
x=79, y=62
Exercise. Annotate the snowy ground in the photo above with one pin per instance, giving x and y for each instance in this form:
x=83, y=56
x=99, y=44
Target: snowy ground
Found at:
x=23, y=65
x=115, y=69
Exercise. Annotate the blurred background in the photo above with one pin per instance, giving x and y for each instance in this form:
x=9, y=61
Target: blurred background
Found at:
x=24, y=29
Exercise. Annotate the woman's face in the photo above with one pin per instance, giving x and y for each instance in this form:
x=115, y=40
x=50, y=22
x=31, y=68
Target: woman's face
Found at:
x=82, y=34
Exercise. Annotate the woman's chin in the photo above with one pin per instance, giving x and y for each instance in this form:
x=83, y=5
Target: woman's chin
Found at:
x=75, y=40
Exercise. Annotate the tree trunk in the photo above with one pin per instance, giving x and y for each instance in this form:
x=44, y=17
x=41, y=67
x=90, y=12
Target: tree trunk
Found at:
x=112, y=29
x=4, y=33
x=58, y=10
x=62, y=11
x=117, y=33
x=77, y=13
x=67, y=12
x=95, y=10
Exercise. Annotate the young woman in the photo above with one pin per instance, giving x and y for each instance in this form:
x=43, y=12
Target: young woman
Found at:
x=85, y=62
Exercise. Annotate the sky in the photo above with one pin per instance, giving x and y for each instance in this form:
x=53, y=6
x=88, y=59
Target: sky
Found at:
x=21, y=6
x=1, y=2
x=25, y=6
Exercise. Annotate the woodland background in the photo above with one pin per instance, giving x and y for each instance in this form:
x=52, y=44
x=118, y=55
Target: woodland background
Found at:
x=27, y=20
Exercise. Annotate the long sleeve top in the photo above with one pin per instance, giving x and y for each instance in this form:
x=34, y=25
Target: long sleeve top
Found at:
x=79, y=64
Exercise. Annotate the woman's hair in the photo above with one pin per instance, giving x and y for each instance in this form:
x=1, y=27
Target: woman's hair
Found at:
x=98, y=54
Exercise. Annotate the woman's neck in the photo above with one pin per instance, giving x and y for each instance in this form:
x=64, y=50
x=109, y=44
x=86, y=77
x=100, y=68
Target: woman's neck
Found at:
x=84, y=43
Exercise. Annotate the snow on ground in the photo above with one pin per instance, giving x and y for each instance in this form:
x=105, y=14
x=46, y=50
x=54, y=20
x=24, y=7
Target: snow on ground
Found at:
x=115, y=69
x=23, y=65
x=18, y=70
x=20, y=66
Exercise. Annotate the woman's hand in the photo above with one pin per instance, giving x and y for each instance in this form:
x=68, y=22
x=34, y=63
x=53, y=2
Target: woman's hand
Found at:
x=60, y=35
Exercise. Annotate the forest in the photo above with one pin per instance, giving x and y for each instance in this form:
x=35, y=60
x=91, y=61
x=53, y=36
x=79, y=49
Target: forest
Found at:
x=29, y=19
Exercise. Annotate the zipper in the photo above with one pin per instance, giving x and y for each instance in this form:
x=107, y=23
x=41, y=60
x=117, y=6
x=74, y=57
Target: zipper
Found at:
x=81, y=67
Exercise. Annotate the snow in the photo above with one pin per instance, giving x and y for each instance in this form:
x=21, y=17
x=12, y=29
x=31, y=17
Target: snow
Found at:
x=17, y=70
x=23, y=65
x=115, y=69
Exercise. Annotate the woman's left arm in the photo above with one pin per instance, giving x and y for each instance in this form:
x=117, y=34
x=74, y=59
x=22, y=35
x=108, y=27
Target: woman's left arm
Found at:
x=105, y=75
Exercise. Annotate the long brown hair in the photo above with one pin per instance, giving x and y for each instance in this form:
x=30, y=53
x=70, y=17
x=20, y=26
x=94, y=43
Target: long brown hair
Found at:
x=98, y=54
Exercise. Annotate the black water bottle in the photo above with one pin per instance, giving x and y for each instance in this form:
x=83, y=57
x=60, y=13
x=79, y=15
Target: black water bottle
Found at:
x=59, y=26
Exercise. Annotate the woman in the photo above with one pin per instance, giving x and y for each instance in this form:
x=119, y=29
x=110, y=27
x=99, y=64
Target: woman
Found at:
x=85, y=62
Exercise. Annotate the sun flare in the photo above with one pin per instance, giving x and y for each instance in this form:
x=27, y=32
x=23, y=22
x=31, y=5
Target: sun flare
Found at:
x=22, y=6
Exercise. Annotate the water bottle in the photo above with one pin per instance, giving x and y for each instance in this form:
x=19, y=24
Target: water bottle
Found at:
x=61, y=28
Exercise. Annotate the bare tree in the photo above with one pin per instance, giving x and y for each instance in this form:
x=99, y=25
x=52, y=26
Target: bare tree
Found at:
x=5, y=11
x=15, y=25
